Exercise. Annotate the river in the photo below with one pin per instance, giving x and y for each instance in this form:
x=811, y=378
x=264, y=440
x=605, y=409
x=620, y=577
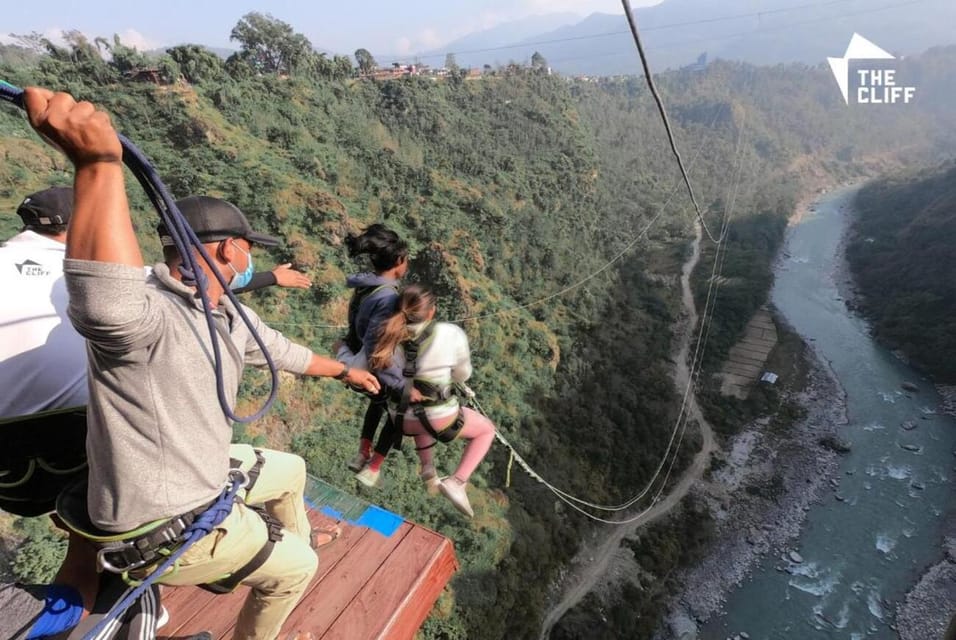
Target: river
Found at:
x=860, y=555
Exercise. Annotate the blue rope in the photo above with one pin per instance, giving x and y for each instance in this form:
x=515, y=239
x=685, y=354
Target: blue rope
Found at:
x=184, y=239
x=206, y=522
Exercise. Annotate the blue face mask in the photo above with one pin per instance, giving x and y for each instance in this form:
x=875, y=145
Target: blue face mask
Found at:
x=240, y=280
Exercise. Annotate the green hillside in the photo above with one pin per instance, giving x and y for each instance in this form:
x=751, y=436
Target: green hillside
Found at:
x=528, y=201
x=904, y=261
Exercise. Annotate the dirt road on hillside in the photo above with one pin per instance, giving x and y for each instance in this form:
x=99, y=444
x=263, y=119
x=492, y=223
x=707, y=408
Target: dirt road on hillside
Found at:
x=599, y=554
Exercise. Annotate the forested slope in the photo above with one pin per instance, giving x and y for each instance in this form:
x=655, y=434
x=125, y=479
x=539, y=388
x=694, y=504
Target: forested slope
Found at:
x=524, y=197
x=903, y=258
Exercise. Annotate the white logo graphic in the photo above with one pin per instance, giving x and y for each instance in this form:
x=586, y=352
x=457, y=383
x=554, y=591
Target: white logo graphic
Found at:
x=877, y=86
x=30, y=268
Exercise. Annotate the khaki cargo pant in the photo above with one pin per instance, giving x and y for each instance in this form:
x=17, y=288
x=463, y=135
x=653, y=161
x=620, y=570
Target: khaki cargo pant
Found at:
x=279, y=583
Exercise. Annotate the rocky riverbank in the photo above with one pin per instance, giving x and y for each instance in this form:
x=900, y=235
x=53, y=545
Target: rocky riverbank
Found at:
x=929, y=606
x=759, y=496
x=931, y=603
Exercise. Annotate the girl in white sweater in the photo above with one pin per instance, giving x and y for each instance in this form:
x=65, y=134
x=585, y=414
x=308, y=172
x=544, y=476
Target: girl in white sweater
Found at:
x=434, y=357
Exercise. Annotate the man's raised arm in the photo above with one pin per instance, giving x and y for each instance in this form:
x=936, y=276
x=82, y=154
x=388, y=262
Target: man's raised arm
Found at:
x=100, y=228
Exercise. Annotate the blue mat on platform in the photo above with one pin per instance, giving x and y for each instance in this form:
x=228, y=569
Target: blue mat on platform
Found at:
x=337, y=504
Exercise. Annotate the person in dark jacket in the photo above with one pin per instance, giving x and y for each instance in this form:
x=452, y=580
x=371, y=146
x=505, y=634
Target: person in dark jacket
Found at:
x=373, y=302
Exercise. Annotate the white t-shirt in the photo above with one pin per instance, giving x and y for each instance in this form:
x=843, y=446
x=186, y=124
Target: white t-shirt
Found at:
x=42, y=358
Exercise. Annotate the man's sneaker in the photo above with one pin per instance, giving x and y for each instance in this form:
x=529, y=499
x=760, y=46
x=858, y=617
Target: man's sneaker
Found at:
x=358, y=463
x=454, y=490
x=163, y=618
x=369, y=477
x=430, y=477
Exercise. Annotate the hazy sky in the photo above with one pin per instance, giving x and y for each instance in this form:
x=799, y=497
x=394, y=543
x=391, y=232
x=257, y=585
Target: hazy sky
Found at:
x=378, y=25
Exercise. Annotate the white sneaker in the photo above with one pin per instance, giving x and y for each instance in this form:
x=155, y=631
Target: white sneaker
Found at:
x=430, y=477
x=454, y=490
x=369, y=477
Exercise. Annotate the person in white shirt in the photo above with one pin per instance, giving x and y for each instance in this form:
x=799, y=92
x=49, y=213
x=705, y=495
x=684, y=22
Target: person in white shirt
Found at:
x=43, y=359
x=434, y=357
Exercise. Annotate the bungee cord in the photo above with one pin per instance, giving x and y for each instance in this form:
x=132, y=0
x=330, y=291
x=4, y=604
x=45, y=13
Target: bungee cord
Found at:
x=669, y=458
x=663, y=112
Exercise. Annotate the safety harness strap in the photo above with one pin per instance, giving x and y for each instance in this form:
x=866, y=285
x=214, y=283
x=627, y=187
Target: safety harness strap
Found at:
x=140, y=551
x=447, y=434
x=230, y=582
x=135, y=553
x=434, y=393
x=208, y=521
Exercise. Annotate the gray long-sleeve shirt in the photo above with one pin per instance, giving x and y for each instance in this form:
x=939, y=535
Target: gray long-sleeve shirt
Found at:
x=158, y=442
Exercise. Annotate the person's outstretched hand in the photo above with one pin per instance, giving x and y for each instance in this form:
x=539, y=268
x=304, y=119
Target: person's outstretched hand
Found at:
x=286, y=276
x=78, y=129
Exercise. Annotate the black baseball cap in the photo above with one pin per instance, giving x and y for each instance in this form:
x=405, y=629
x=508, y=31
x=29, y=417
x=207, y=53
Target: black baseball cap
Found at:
x=213, y=219
x=46, y=208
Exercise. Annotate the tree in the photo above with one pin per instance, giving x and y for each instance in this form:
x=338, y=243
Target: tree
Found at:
x=538, y=63
x=341, y=67
x=450, y=63
x=34, y=41
x=124, y=59
x=366, y=63
x=169, y=70
x=196, y=63
x=270, y=45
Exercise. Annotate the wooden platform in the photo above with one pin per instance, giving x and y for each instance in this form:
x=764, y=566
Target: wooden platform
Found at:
x=367, y=586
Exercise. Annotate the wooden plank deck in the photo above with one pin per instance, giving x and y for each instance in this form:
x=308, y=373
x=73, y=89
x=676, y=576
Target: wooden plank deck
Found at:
x=368, y=586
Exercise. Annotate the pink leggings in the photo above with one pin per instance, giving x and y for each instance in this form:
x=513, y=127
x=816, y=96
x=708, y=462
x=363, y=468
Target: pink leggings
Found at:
x=477, y=430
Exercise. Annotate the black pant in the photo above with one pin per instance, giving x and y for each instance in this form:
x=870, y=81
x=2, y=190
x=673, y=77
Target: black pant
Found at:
x=373, y=415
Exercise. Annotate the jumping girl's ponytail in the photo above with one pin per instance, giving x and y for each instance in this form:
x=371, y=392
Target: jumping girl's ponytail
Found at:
x=414, y=303
x=385, y=248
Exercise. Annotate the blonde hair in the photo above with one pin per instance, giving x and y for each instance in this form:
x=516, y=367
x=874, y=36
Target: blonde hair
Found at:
x=414, y=303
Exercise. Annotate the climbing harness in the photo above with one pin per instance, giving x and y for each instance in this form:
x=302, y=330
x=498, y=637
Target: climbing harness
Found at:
x=128, y=552
x=434, y=394
x=161, y=544
x=205, y=522
x=186, y=242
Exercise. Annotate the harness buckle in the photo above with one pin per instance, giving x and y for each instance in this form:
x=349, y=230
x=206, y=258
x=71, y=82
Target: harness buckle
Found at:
x=103, y=564
x=237, y=477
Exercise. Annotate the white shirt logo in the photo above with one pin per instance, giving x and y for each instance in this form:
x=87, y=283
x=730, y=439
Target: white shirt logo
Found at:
x=30, y=268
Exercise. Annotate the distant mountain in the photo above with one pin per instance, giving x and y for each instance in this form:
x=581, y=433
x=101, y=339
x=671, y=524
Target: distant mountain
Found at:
x=501, y=35
x=676, y=32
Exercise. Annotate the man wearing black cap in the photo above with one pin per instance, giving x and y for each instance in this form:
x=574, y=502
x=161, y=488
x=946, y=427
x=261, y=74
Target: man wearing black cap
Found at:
x=158, y=441
x=43, y=359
